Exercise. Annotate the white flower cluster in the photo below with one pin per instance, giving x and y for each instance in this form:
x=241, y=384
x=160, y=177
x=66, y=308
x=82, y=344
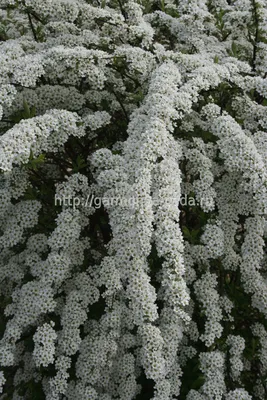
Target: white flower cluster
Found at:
x=76, y=63
x=45, y=133
x=138, y=27
x=238, y=394
x=58, y=385
x=213, y=239
x=200, y=164
x=45, y=97
x=145, y=102
x=18, y=217
x=207, y=295
x=212, y=366
x=251, y=265
x=260, y=332
x=2, y=381
x=237, y=346
x=44, y=345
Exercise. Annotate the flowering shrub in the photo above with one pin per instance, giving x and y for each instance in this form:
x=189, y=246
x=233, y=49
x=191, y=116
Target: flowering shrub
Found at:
x=133, y=187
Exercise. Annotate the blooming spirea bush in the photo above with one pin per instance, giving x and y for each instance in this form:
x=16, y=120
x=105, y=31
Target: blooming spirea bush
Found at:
x=133, y=199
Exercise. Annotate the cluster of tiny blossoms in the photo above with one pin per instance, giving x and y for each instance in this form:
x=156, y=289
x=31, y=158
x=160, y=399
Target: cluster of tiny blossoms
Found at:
x=147, y=102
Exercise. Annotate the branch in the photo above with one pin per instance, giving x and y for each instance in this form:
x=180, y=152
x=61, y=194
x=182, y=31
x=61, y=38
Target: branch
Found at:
x=124, y=13
x=32, y=27
x=256, y=39
x=120, y=103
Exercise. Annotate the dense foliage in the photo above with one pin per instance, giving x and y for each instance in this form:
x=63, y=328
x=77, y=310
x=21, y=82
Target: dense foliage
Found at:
x=133, y=199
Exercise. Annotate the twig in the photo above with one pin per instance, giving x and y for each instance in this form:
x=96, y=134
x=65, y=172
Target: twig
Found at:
x=256, y=19
x=32, y=27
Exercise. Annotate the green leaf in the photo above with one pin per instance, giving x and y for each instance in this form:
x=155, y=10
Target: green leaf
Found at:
x=34, y=162
x=186, y=232
x=79, y=163
x=198, y=382
x=27, y=111
x=162, y=5
x=234, y=49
